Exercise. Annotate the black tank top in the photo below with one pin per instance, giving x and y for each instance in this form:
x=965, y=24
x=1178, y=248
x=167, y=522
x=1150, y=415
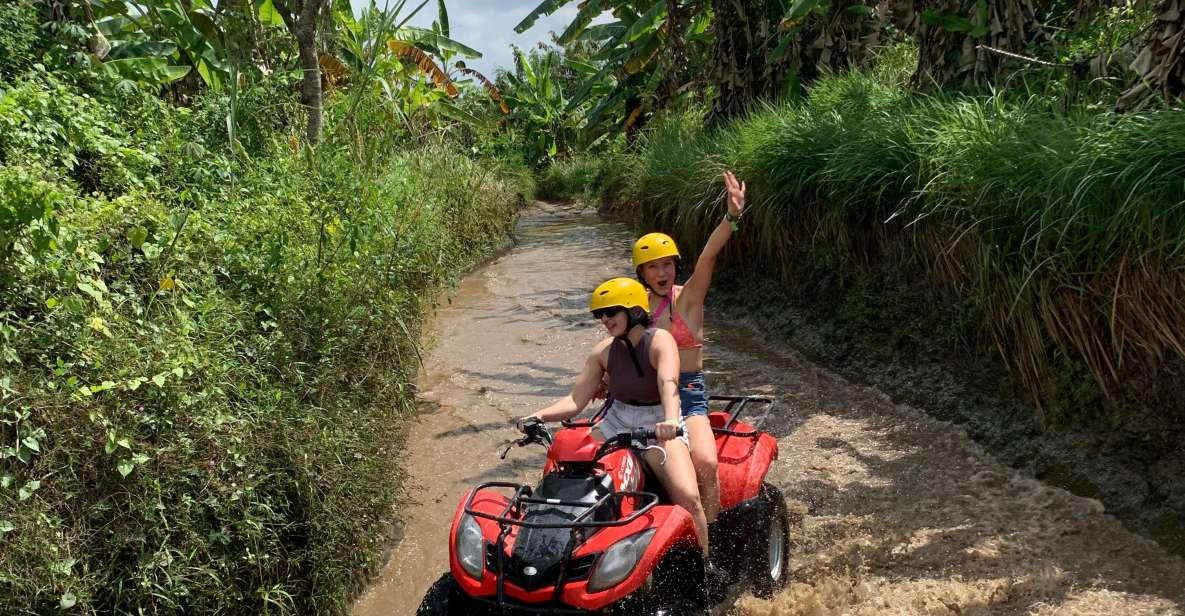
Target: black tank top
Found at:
x=625, y=382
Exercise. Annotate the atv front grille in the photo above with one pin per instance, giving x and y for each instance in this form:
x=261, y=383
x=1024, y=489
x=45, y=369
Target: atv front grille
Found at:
x=514, y=570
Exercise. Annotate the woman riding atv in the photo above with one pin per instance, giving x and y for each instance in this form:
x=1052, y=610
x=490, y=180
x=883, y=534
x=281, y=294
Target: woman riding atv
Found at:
x=680, y=311
x=642, y=365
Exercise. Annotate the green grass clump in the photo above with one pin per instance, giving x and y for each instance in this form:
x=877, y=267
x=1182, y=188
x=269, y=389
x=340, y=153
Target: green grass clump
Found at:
x=1067, y=228
x=587, y=178
x=206, y=358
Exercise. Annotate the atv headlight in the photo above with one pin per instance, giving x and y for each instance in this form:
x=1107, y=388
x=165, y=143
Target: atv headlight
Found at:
x=619, y=560
x=470, y=547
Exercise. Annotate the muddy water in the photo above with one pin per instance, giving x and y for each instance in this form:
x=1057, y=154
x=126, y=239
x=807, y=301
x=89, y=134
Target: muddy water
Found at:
x=899, y=513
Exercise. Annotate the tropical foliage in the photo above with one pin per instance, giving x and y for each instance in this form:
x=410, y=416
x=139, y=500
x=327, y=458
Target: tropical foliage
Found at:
x=208, y=328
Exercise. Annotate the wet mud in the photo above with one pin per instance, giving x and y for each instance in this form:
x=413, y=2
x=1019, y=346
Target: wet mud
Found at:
x=898, y=513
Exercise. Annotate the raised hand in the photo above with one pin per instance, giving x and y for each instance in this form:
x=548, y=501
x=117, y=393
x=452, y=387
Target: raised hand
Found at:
x=736, y=194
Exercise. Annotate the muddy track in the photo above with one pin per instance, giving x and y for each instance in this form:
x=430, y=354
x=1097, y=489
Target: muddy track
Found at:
x=899, y=513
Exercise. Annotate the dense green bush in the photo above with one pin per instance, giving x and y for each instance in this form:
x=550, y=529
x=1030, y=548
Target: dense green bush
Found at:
x=18, y=37
x=1066, y=227
x=205, y=352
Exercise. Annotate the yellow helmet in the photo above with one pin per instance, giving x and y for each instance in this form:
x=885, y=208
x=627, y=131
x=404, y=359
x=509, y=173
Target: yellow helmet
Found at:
x=654, y=246
x=624, y=292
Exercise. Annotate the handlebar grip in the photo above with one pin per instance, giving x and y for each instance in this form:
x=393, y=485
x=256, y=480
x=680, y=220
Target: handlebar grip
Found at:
x=650, y=434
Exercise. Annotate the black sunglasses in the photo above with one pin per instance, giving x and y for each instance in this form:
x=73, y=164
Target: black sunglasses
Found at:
x=610, y=311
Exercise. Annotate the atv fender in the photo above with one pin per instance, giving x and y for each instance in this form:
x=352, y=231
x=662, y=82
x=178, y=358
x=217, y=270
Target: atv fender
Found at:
x=742, y=463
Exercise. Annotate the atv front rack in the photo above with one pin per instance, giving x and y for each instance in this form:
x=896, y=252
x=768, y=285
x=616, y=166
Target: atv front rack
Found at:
x=522, y=496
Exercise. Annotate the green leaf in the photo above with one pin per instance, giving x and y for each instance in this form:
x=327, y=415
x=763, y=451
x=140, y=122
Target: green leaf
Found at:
x=159, y=379
x=800, y=8
x=125, y=467
x=268, y=14
x=647, y=23
x=29, y=488
x=64, y=567
x=442, y=15
x=602, y=32
x=146, y=70
x=420, y=36
x=947, y=21
x=140, y=458
x=6, y=480
x=68, y=600
x=178, y=372
x=151, y=49
x=547, y=7
x=32, y=443
x=137, y=235
x=115, y=26
x=110, y=447
x=6, y=526
x=580, y=67
x=87, y=286
x=588, y=12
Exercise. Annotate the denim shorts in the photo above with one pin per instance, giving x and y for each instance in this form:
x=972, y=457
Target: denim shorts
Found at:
x=693, y=396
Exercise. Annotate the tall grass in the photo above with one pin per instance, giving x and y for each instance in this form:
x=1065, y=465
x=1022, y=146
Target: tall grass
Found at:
x=205, y=375
x=1067, y=228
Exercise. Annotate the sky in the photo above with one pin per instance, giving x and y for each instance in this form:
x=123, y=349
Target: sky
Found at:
x=488, y=26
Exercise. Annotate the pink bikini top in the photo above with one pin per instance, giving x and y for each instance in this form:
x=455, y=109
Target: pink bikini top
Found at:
x=684, y=338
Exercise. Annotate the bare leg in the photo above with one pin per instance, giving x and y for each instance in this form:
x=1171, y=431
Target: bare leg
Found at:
x=678, y=477
x=703, y=457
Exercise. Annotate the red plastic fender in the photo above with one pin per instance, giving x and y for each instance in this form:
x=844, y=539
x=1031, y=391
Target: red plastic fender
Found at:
x=742, y=461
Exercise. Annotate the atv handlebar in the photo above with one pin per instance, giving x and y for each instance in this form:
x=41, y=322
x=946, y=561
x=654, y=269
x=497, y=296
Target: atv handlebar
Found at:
x=628, y=439
x=534, y=431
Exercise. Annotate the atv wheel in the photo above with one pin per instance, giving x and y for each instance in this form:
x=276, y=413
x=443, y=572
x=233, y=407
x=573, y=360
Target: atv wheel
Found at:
x=771, y=567
x=444, y=598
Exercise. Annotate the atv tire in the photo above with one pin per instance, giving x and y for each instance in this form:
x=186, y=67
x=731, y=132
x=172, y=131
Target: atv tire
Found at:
x=444, y=598
x=771, y=563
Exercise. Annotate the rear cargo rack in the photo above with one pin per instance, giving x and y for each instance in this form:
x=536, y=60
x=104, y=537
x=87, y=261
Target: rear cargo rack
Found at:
x=522, y=496
x=739, y=403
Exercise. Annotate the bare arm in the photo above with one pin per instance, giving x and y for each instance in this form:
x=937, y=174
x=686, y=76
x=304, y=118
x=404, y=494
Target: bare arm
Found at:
x=664, y=355
x=696, y=288
x=586, y=385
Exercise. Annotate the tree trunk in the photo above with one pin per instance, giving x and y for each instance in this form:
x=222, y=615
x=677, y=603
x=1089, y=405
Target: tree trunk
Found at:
x=839, y=40
x=677, y=19
x=746, y=34
x=956, y=56
x=1160, y=64
x=303, y=26
x=310, y=87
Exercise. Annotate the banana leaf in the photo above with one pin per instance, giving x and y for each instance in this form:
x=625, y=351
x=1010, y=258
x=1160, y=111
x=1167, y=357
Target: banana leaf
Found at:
x=547, y=7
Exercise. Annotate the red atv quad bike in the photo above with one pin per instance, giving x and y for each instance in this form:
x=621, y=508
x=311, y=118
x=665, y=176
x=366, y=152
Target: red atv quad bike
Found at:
x=598, y=534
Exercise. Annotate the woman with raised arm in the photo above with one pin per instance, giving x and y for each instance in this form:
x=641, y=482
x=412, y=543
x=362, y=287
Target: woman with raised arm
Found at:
x=642, y=366
x=680, y=311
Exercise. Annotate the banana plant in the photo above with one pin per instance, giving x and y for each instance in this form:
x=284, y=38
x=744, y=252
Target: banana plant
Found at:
x=159, y=41
x=379, y=48
x=629, y=73
x=538, y=106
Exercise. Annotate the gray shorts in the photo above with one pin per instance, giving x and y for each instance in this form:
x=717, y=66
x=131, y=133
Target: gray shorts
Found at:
x=623, y=417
